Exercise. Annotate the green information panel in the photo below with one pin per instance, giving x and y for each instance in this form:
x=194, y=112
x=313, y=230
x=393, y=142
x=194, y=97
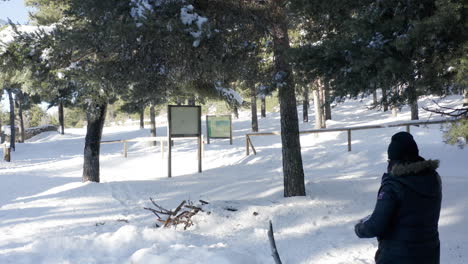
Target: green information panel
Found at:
x=219, y=126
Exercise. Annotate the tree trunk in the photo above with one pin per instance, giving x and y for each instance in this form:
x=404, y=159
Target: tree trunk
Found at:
x=394, y=111
x=142, y=118
x=384, y=99
x=263, y=107
x=465, y=100
x=20, y=117
x=293, y=171
x=61, y=118
x=326, y=90
x=153, y=122
x=374, y=98
x=318, y=109
x=95, y=115
x=253, y=107
x=1, y=132
x=191, y=101
x=414, y=110
x=305, y=105
x=413, y=102
x=12, y=119
x=236, y=112
x=393, y=106
x=322, y=104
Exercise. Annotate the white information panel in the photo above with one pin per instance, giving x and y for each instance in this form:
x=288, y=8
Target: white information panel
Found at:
x=185, y=121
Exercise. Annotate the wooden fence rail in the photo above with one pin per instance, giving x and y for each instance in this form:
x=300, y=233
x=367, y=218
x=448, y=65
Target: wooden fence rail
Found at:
x=248, y=141
x=161, y=140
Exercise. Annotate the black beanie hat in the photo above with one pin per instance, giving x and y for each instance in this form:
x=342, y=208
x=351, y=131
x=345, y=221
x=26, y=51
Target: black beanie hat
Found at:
x=403, y=147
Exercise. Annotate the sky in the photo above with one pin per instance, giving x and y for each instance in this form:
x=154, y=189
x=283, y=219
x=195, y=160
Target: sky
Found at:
x=15, y=10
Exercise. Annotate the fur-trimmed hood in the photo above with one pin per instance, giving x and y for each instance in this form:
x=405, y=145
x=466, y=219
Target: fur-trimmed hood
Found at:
x=415, y=167
x=420, y=176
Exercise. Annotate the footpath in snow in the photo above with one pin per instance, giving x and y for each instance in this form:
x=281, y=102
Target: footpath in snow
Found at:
x=47, y=215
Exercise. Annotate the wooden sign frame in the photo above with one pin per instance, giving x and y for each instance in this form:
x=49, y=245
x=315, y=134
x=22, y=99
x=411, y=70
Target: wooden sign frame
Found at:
x=183, y=121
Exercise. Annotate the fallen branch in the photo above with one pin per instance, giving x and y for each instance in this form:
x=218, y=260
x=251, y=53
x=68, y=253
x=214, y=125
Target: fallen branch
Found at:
x=274, y=250
x=181, y=215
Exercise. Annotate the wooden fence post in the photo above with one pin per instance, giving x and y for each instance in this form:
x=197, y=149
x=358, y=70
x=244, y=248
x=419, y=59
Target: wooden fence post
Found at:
x=125, y=149
x=349, y=140
x=162, y=148
x=6, y=153
x=246, y=144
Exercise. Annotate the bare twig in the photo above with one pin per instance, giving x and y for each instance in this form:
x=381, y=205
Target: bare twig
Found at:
x=453, y=112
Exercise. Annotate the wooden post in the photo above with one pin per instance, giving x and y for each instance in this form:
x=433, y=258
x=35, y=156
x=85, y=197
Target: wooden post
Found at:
x=203, y=145
x=200, y=154
x=230, y=125
x=125, y=149
x=246, y=145
x=207, y=130
x=408, y=128
x=161, y=142
x=6, y=153
x=349, y=140
x=169, y=156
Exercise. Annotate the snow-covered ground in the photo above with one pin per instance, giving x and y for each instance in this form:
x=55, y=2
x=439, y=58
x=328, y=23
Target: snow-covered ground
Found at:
x=47, y=215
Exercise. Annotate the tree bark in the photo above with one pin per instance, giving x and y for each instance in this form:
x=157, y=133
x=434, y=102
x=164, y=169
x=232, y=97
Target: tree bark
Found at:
x=465, y=100
x=393, y=106
x=61, y=118
x=153, y=122
x=293, y=171
x=394, y=111
x=414, y=110
x=20, y=117
x=305, y=105
x=253, y=107
x=263, y=107
x=12, y=119
x=191, y=101
x=142, y=118
x=326, y=93
x=322, y=104
x=374, y=98
x=236, y=112
x=413, y=102
x=384, y=99
x=95, y=115
x=1, y=132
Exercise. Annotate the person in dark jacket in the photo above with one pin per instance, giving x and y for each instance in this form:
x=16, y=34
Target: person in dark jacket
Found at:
x=406, y=215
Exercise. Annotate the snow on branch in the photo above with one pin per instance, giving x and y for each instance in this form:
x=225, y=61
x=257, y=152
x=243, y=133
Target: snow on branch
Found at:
x=188, y=17
x=229, y=94
x=139, y=7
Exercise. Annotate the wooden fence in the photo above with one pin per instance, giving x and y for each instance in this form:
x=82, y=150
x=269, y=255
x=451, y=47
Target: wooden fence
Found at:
x=248, y=141
x=161, y=140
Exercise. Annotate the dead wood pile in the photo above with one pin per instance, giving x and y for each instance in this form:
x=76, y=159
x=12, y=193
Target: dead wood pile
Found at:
x=181, y=215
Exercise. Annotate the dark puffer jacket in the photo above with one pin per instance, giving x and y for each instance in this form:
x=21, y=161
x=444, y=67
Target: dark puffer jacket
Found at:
x=405, y=218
